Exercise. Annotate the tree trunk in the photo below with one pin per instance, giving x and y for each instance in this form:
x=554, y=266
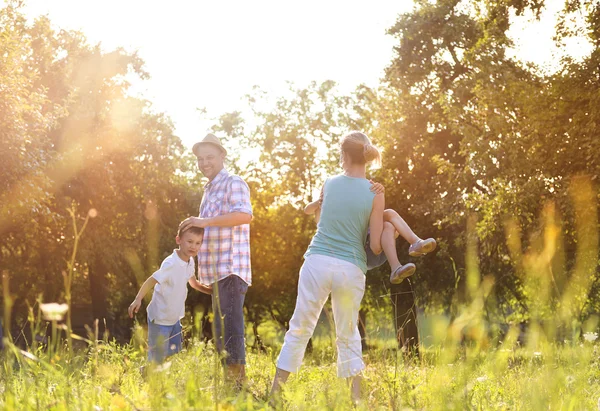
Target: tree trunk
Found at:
x=404, y=313
x=258, y=343
x=52, y=279
x=98, y=290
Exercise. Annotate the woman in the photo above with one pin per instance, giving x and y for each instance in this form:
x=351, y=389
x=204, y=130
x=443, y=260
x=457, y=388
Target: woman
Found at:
x=335, y=263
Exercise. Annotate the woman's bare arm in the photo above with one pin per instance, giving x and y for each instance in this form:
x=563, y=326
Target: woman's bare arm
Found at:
x=376, y=223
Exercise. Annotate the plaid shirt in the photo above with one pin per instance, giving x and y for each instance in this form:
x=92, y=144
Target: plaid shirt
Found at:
x=225, y=250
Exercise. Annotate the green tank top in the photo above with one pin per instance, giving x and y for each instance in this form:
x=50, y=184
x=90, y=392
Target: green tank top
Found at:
x=345, y=214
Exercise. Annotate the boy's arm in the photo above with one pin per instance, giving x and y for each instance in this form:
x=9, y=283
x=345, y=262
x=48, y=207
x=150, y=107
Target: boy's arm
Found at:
x=197, y=285
x=137, y=303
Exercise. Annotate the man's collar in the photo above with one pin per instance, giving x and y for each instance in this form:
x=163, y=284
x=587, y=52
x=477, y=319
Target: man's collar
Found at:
x=220, y=175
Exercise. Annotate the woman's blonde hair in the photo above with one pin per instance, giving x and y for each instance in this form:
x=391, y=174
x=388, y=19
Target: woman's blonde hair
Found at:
x=359, y=149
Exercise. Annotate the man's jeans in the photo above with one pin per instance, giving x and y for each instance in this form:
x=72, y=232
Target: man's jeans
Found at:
x=228, y=308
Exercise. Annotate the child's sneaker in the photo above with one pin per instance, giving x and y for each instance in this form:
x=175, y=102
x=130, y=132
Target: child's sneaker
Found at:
x=422, y=247
x=402, y=272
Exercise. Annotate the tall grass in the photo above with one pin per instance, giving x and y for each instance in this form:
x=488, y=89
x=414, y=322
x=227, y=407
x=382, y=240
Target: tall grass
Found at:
x=506, y=377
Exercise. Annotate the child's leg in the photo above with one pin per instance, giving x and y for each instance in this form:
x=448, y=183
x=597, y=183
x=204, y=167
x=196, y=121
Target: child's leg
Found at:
x=175, y=339
x=400, y=225
x=418, y=247
x=158, y=341
x=388, y=243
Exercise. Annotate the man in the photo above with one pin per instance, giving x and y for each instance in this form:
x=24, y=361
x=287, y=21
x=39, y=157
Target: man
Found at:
x=224, y=257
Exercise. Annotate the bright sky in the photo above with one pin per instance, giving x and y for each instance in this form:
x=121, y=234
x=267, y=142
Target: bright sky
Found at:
x=209, y=54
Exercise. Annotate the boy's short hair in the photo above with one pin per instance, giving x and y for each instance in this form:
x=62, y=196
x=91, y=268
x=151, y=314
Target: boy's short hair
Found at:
x=193, y=230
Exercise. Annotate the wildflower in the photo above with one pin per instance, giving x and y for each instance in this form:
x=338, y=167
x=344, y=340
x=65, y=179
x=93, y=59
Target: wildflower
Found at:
x=590, y=336
x=163, y=367
x=28, y=355
x=537, y=354
x=482, y=379
x=54, y=311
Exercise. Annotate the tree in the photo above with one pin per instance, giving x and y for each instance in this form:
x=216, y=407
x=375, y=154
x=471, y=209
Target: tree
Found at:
x=77, y=139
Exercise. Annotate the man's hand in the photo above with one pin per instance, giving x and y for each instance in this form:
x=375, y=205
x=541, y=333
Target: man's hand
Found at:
x=377, y=188
x=194, y=222
x=134, y=307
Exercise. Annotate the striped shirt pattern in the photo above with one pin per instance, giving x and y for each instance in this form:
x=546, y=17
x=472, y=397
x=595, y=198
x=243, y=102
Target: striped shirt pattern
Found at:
x=225, y=250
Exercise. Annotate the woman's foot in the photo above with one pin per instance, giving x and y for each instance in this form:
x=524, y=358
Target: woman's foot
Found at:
x=422, y=247
x=355, y=383
x=401, y=272
x=275, y=398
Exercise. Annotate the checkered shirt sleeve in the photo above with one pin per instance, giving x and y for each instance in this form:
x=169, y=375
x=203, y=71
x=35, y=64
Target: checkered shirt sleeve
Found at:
x=239, y=197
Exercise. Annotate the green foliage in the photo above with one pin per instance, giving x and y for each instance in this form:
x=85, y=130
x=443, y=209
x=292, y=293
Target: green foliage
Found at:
x=468, y=130
x=71, y=134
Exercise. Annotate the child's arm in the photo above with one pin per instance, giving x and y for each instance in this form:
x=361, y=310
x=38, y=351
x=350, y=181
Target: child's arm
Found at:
x=197, y=285
x=312, y=208
x=315, y=207
x=377, y=188
x=137, y=303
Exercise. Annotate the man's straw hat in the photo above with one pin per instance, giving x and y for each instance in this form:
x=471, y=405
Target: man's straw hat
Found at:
x=209, y=139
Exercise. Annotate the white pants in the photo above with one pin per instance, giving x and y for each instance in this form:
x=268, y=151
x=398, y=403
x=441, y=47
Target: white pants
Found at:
x=319, y=276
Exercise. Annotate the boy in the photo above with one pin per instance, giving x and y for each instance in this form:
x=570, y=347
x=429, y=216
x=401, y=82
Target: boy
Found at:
x=167, y=306
x=394, y=225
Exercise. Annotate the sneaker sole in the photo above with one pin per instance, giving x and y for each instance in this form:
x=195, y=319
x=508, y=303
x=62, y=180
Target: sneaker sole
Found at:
x=401, y=275
x=427, y=248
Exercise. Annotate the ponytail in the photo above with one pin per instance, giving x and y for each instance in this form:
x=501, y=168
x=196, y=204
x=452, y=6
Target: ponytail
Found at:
x=372, y=154
x=359, y=149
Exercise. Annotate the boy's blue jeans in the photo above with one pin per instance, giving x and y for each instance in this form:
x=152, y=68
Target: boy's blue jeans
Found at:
x=163, y=340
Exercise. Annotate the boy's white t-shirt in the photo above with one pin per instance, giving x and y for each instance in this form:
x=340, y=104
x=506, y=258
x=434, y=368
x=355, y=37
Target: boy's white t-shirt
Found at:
x=168, y=301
